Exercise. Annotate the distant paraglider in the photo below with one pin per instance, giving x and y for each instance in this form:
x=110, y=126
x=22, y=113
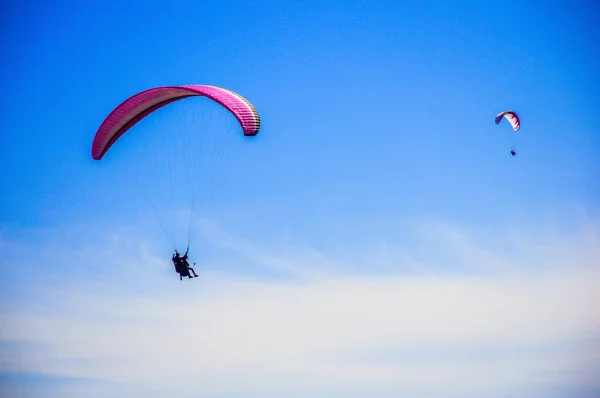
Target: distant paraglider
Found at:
x=514, y=121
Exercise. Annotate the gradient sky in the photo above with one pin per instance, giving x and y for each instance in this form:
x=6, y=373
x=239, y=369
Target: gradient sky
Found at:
x=375, y=239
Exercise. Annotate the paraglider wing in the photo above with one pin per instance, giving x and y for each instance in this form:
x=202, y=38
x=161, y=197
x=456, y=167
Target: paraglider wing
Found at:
x=512, y=118
x=134, y=109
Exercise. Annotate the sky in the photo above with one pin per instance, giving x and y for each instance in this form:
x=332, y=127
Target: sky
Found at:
x=375, y=239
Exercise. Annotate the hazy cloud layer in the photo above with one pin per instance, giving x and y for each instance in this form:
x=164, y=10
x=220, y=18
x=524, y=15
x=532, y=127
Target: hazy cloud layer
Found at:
x=526, y=327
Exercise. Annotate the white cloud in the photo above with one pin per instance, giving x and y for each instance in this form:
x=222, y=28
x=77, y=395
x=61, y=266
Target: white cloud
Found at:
x=528, y=327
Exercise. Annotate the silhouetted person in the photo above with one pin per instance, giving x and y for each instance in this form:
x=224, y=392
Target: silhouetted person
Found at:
x=182, y=266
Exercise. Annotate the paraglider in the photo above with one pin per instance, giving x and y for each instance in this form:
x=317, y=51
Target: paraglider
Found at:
x=514, y=121
x=182, y=266
x=136, y=108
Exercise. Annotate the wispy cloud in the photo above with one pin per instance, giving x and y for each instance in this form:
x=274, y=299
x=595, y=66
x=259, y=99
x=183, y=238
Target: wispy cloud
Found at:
x=529, y=327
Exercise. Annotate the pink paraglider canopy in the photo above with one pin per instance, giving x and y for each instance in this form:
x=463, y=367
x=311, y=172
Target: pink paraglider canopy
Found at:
x=135, y=108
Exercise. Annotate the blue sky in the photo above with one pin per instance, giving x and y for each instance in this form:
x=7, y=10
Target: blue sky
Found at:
x=375, y=238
